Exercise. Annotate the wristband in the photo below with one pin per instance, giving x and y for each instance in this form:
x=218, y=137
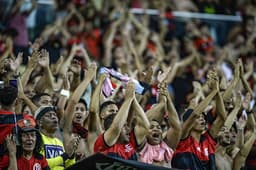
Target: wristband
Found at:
x=64, y=92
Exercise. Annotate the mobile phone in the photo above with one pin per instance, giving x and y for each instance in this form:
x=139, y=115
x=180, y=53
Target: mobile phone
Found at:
x=13, y=83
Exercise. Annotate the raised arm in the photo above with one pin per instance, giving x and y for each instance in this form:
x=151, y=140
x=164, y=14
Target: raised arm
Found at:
x=221, y=116
x=22, y=96
x=227, y=94
x=67, y=62
x=107, y=41
x=86, y=57
x=77, y=95
x=174, y=131
x=142, y=126
x=188, y=124
x=11, y=146
x=232, y=116
x=47, y=81
x=111, y=135
x=143, y=33
x=244, y=151
x=157, y=110
x=177, y=66
x=32, y=63
x=244, y=80
x=94, y=119
x=137, y=59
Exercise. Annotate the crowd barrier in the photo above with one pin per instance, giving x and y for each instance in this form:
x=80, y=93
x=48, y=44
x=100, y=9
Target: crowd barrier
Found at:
x=103, y=162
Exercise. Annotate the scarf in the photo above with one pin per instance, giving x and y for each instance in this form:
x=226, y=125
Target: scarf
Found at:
x=80, y=130
x=151, y=153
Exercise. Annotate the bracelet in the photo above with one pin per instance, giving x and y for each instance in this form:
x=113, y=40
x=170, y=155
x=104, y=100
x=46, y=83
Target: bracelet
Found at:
x=64, y=92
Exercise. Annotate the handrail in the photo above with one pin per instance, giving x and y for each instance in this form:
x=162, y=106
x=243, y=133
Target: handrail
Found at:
x=183, y=14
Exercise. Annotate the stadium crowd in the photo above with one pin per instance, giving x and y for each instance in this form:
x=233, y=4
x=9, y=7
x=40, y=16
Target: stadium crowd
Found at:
x=93, y=77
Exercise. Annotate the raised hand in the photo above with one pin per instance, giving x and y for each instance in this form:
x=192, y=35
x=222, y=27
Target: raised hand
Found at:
x=72, y=145
x=44, y=60
x=58, y=65
x=247, y=101
x=198, y=89
x=241, y=123
x=147, y=76
x=213, y=80
x=37, y=44
x=92, y=70
x=10, y=144
x=163, y=92
x=33, y=61
x=162, y=76
x=16, y=63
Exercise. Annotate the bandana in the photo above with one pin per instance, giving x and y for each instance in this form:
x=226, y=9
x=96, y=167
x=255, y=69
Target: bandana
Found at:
x=80, y=130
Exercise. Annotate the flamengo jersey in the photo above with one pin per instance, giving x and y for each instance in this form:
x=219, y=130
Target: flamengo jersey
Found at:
x=7, y=123
x=193, y=155
x=32, y=164
x=35, y=163
x=124, y=151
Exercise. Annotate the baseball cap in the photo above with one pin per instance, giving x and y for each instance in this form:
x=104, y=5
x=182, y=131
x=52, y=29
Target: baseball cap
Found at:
x=27, y=124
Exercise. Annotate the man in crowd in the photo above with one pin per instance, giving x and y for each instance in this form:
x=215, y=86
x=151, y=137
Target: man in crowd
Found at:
x=53, y=149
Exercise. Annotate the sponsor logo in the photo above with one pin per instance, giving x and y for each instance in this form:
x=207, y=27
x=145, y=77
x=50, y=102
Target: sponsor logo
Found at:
x=37, y=166
x=52, y=151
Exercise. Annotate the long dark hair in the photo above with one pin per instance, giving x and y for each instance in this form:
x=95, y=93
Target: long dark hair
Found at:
x=38, y=146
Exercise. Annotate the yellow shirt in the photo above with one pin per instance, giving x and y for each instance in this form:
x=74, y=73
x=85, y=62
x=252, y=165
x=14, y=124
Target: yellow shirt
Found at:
x=52, y=149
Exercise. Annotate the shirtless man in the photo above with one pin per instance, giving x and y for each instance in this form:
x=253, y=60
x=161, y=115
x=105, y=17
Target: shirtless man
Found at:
x=76, y=121
x=223, y=160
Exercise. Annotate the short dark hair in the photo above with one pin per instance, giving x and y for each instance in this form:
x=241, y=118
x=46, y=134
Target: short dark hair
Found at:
x=106, y=103
x=84, y=102
x=8, y=94
x=108, y=121
x=37, y=97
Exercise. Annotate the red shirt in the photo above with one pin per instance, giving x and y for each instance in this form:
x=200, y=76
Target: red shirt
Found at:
x=201, y=149
x=125, y=151
x=7, y=122
x=191, y=154
x=92, y=41
x=35, y=163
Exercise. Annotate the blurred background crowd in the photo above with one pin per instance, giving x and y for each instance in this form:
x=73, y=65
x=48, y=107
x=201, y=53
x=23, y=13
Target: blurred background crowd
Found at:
x=193, y=49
